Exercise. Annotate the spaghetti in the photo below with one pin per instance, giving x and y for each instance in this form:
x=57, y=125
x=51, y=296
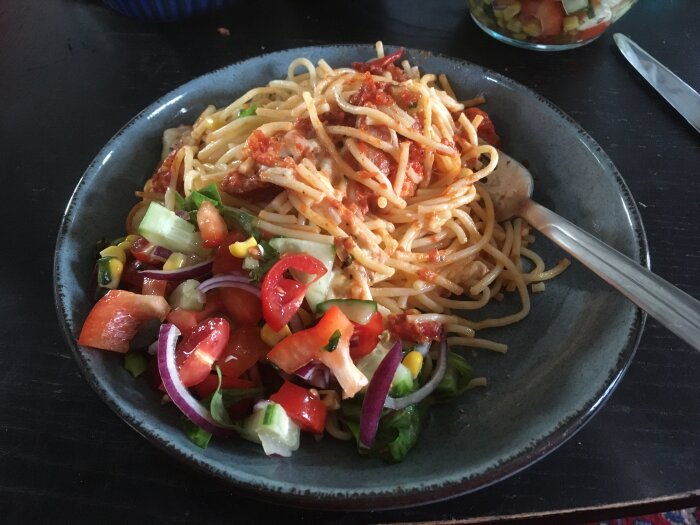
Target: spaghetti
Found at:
x=385, y=163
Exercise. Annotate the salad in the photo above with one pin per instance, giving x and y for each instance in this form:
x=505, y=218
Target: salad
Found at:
x=295, y=258
x=549, y=22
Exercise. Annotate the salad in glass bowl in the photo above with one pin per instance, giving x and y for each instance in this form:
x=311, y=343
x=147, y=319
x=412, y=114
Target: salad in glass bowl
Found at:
x=547, y=25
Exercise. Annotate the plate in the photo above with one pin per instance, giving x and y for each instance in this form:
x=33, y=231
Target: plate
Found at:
x=564, y=359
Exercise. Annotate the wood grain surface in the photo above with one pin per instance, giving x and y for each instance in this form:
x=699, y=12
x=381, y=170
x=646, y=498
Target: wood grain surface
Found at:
x=73, y=72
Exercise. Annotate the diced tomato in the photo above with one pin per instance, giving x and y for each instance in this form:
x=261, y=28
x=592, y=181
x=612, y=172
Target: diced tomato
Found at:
x=548, y=13
x=198, y=351
x=486, y=129
x=243, y=307
x=366, y=336
x=212, y=226
x=422, y=332
x=161, y=178
x=187, y=320
x=305, y=408
x=372, y=93
x=295, y=350
x=208, y=386
x=132, y=279
x=154, y=286
x=281, y=296
x=142, y=250
x=378, y=65
x=224, y=262
x=243, y=350
x=592, y=32
x=117, y=317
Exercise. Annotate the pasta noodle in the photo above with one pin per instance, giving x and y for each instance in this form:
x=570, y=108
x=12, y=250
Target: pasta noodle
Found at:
x=386, y=166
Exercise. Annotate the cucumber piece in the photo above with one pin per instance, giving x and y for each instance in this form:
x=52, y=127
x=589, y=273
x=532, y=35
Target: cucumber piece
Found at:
x=187, y=296
x=325, y=253
x=574, y=6
x=163, y=227
x=356, y=310
x=402, y=382
x=270, y=426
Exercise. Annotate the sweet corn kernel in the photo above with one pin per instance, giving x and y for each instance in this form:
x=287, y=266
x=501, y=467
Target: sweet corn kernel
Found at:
x=116, y=267
x=114, y=251
x=270, y=337
x=570, y=23
x=240, y=249
x=213, y=123
x=128, y=242
x=532, y=29
x=414, y=362
x=512, y=10
x=514, y=25
x=176, y=261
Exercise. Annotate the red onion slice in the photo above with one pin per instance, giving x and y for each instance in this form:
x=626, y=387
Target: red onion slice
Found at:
x=193, y=409
x=233, y=280
x=427, y=389
x=295, y=324
x=162, y=253
x=315, y=373
x=187, y=272
x=377, y=392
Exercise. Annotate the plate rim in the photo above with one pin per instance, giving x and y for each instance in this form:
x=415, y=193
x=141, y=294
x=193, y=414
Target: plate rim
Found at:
x=357, y=498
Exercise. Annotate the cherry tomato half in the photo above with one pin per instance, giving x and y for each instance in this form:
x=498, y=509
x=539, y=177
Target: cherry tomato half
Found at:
x=198, y=351
x=281, y=296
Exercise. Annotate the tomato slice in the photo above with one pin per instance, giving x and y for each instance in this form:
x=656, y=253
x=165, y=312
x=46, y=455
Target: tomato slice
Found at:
x=366, y=336
x=305, y=408
x=295, y=350
x=224, y=262
x=198, y=351
x=243, y=307
x=116, y=318
x=548, y=13
x=243, y=350
x=154, y=286
x=212, y=226
x=486, y=129
x=281, y=296
x=594, y=31
x=187, y=320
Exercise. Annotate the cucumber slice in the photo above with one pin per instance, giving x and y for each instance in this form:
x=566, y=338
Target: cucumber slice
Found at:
x=163, y=227
x=574, y=6
x=270, y=425
x=356, y=310
x=187, y=296
x=402, y=382
x=325, y=253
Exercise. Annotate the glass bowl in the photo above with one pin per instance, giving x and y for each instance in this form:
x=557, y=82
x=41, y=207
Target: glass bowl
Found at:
x=547, y=25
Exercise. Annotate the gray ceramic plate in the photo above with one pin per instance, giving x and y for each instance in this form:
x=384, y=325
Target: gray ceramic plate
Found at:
x=564, y=359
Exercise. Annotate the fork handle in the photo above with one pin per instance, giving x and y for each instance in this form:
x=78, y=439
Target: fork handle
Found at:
x=673, y=308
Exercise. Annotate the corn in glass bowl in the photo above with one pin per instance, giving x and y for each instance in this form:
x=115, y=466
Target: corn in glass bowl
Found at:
x=547, y=25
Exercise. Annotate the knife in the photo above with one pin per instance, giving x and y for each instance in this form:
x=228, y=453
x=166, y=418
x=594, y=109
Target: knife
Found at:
x=680, y=95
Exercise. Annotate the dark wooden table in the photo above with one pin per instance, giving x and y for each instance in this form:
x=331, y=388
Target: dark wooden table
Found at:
x=73, y=72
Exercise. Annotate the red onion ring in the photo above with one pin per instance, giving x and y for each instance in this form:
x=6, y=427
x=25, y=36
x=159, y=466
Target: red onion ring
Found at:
x=377, y=392
x=232, y=280
x=187, y=272
x=188, y=405
x=427, y=389
x=315, y=373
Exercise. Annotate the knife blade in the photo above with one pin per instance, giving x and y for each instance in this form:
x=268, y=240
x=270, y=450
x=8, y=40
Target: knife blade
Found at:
x=680, y=95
